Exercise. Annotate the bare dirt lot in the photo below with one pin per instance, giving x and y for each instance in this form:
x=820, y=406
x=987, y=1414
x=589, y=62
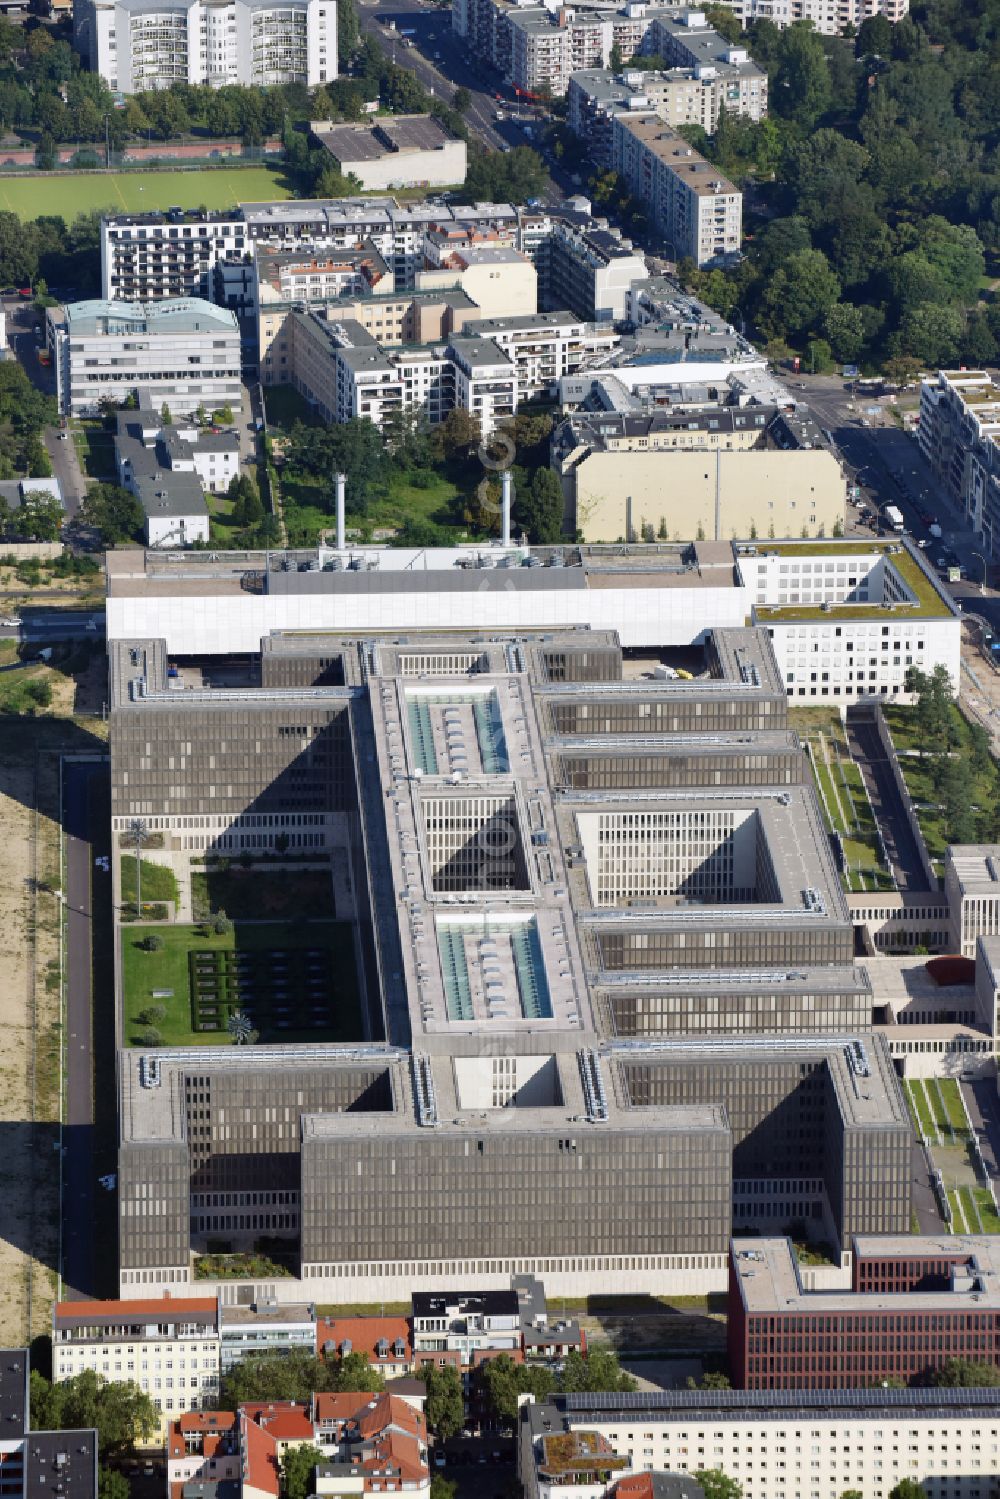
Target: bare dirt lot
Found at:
x=29, y=1039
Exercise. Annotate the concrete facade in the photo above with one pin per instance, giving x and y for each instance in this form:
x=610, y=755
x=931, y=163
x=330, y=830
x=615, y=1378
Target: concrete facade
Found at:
x=146, y=44
x=182, y=354
x=698, y=212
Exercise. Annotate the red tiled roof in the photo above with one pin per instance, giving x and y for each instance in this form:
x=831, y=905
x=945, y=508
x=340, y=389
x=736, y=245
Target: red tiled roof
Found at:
x=636, y=1486
x=363, y=1333
x=214, y=1425
x=169, y=1307
x=286, y=1420
x=260, y=1461
x=338, y=1406
x=391, y=1410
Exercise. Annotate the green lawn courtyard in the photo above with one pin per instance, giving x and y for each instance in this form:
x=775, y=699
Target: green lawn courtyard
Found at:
x=296, y=980
x=38, y=194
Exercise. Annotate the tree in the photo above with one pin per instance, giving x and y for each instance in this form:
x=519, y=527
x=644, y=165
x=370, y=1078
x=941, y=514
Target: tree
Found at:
x=221, y=924
x=725, y=23
x=296, y=1376
x=114, y=514
x=801, y=293
x=461, y=100
x=713, y=1380
x=120, y=1411
x=150, y=1036
x=297, y=1468
x=800, y=88
x=152, y=1014
x=540, y=510
x=39, y=518
x=874, y=37
x=844, y=326
x=445, y=1408
x=600, y=1370
x=38, y=692
x=458, y=433
x=442, y=1488
x=718, y=1485
x=967, y=1373
x=615, y=59
x=152, y=943
x=501, y=1382
x=248, y=508
x=165, y=416
x=908, y=1488
x=354, y=1372
x=111, y=1484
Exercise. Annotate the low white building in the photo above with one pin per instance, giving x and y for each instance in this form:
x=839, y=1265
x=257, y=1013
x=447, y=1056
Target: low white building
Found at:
x=402, y=151
x=792, y=1444
x=653, y=596
x=148, y=44
x=181, y=353
x=849, y=619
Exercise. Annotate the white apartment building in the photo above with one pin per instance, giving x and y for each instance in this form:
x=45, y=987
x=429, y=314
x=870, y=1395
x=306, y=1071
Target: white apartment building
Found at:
x=795, y=1444
x=883, y=612
x=146, y=44
x=696, y=210
x=545, y=347
x=182, y=354
x=168, y=1346
x=829, y=17
x=972, y=887
x=679, y=96
x=959, y=435
x=145, y=257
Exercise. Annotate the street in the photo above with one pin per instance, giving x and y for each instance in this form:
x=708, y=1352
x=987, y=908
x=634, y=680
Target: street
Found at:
x=442, y=62
x=47, y=624
x=25, y=343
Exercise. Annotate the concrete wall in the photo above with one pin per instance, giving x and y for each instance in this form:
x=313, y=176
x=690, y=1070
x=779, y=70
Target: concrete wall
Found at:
x=726, y=495
x=443, y=167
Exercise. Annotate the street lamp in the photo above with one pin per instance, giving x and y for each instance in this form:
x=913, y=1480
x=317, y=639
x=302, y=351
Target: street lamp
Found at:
x=980, y=558
x=139, y=831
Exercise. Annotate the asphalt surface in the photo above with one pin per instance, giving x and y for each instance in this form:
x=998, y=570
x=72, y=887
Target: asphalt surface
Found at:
x=981, y=1100
x=79, y=1185
x=26, y=344
x=887, y=804
x=442, y=62
x=922, y=1198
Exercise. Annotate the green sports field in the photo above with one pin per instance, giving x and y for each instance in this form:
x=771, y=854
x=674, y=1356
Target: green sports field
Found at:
x=70, y=194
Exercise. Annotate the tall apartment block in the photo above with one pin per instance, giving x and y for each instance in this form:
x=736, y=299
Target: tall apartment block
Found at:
x=610, y=996
x=915, y=1302
x=958, y=430
x=698, y=212
x=148, y=44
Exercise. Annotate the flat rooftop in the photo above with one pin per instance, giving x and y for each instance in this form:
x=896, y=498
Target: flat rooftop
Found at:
x=769, y=1283
x=976, y=867
x=750, y=1407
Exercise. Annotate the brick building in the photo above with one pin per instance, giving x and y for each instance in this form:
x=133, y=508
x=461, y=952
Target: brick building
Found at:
x=914, y=1304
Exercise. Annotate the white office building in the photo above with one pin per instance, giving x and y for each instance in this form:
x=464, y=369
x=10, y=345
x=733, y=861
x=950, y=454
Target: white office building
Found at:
x=791, y=1444
x=137, y=45
x=182, y=354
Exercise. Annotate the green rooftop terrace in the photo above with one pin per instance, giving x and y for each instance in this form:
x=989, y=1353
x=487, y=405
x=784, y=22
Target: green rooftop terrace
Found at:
x=931, y=602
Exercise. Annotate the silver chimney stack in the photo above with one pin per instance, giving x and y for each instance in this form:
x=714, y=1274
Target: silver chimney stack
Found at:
x=505, y=491
x=341, y=480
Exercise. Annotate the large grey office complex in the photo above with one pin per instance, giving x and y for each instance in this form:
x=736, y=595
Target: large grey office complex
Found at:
x=610, y=998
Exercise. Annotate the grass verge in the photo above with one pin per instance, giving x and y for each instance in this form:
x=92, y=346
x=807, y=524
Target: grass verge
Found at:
x=168, y=970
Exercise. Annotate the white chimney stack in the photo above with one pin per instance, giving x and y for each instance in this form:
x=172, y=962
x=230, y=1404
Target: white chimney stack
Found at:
x=505, y=488
x=341, y=480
